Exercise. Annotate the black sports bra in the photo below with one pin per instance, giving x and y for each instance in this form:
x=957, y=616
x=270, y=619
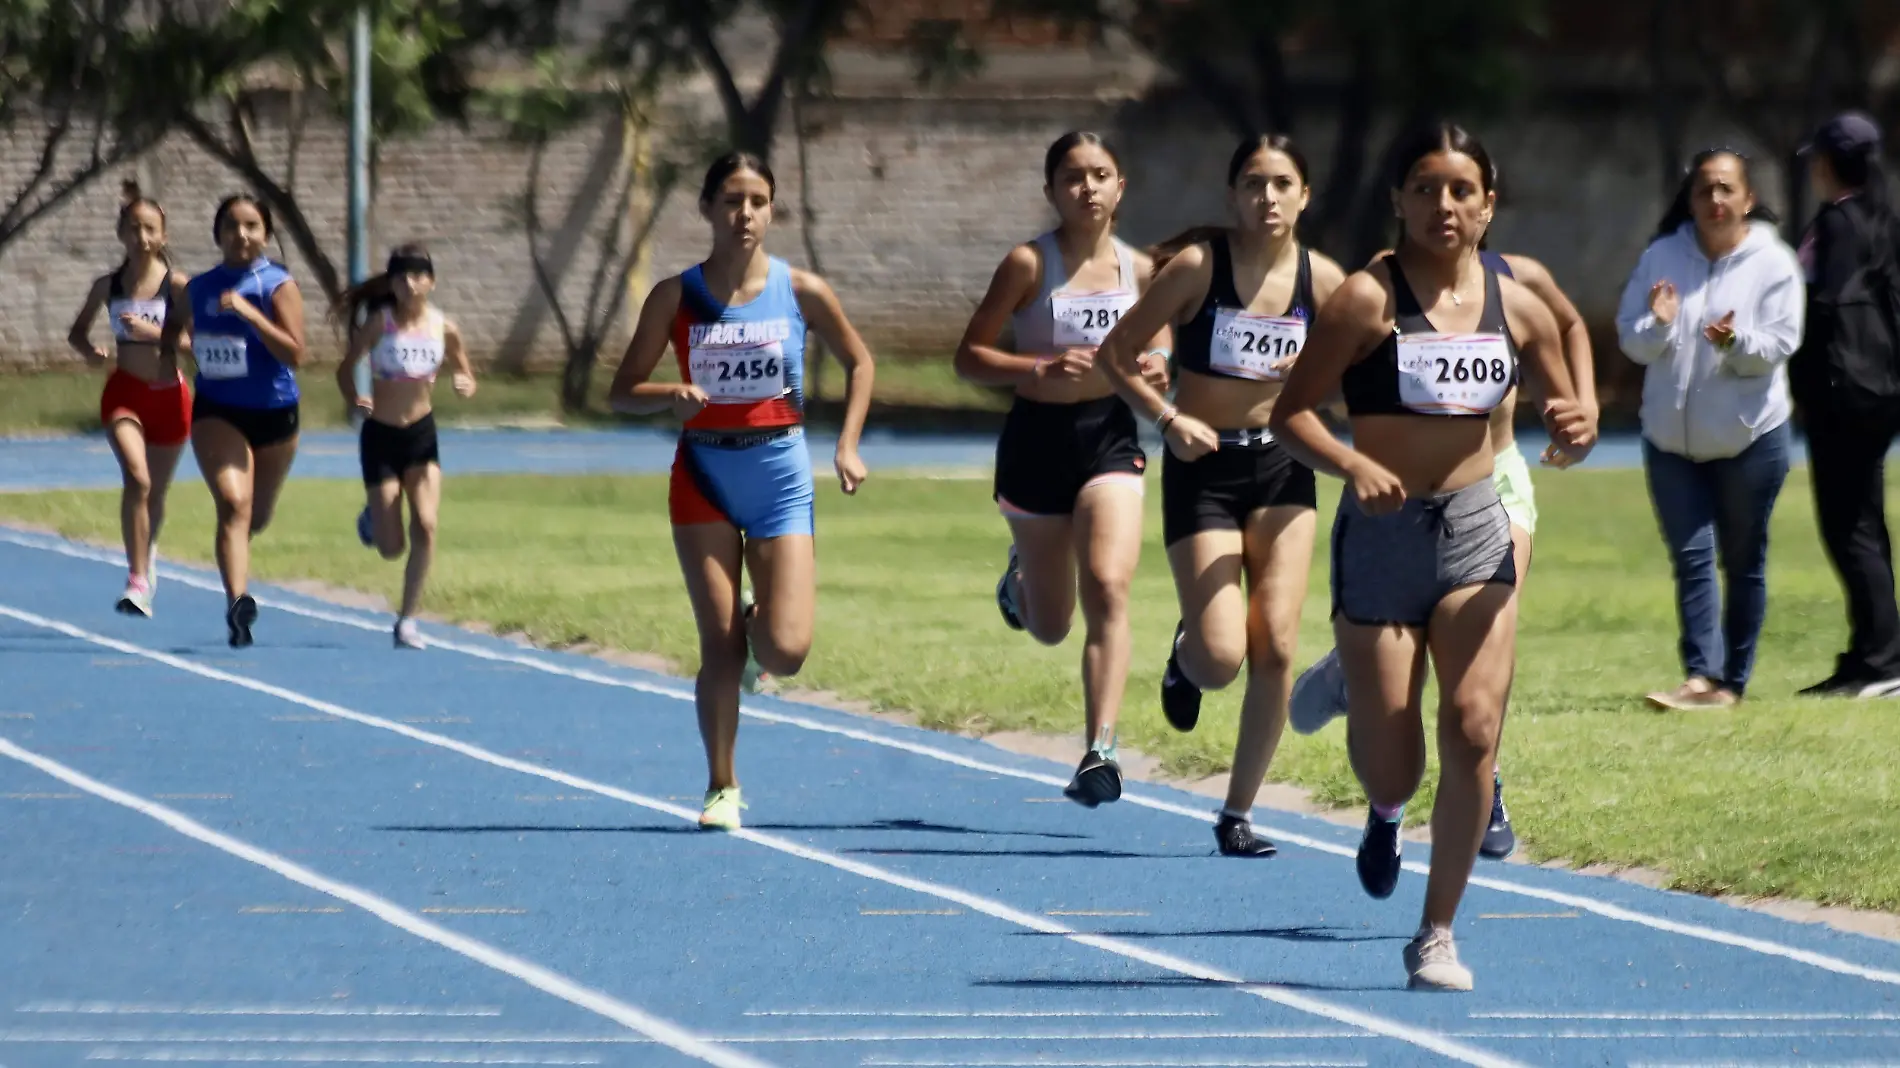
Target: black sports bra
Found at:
x=1227, y=341
x=1420, y=371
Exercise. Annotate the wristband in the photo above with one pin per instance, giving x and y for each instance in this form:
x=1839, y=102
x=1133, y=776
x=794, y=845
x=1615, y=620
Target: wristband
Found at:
x=1166, y=417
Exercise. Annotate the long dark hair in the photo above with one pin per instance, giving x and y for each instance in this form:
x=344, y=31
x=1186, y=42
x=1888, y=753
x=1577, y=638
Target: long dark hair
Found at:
x=1679, y=210
x=730, y=164
x=1164, y=251
x=131, y=199
x=378, y=292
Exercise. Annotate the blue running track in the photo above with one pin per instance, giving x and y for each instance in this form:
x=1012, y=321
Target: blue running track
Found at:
x=323, y=850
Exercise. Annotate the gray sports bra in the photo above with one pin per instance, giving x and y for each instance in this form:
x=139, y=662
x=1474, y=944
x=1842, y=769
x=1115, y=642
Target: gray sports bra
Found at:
x=1055, y=320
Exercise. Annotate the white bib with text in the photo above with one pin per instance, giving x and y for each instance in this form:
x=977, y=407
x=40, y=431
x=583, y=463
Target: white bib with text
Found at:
x=1444, y=374
x=221, y=355
x=1246, y=345
x=1082, y=320
x=739, y=362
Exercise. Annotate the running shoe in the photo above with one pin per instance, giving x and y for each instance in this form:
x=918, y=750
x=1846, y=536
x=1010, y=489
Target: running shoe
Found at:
x=408, y=636
x=1500, y=840
x=238, y=619
x=721, y=812
x=1237, y=839
x=1431, y=962
x=1098, y=779
x=1005, y=600
x=137, y=598
x=1180, y=699
x=1319, y=695
x=365, y=529
x=1380, y=852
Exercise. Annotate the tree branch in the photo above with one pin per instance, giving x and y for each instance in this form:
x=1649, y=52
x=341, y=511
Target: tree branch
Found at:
x=531, y=219
x=700, y=31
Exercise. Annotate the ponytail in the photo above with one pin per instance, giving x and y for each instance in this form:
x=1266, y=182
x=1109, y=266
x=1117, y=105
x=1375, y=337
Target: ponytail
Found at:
x=1164, y=252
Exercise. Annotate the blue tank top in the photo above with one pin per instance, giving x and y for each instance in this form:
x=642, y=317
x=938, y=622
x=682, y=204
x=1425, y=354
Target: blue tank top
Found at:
x=749, y=358
x=234, y=365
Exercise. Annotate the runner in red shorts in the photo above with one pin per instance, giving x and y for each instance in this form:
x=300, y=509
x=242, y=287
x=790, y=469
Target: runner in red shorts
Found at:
x=146, y=407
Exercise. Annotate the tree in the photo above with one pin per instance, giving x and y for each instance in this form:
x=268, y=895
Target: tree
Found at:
x=1402, y=58
x=676, y=35
x=414, y=78
x=66, y=67
x=539, y=112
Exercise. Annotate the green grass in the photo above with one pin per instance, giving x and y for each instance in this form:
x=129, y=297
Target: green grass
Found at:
x=1779, y=797
x=65, y=402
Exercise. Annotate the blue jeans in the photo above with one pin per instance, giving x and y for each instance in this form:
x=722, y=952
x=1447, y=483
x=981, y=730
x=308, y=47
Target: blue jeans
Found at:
x=1710, y=505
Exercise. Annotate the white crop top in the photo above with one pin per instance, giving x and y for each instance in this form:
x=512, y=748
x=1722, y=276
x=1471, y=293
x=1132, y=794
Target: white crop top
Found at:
x=409, y=355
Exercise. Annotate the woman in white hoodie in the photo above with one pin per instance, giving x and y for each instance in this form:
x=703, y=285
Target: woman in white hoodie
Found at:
x=1713, y=311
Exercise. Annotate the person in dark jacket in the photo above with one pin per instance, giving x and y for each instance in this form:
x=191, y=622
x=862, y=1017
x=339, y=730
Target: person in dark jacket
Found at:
x=1846, y=379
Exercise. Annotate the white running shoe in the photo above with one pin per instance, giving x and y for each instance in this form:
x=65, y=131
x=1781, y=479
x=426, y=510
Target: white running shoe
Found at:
x=408, y=636
x=137, y=598
x=1431, y=962
x=1319, y=696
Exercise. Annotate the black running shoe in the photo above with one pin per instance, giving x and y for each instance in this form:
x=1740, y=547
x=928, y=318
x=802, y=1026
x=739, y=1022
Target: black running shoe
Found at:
x=1180, y=699
x=1379, y=855
x=1499, y=840
x=1237, y=839
x=238, y=618
x=1005, y=603
x=1098, y=780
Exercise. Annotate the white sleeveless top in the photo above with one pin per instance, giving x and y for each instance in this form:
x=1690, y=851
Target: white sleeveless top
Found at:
x=409, y=355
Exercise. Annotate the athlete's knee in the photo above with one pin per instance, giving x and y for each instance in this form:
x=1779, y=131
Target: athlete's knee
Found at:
x=422, y=530
x=234, y=511
x=390, y=548
x=722, y=652
x=1468, y=725
x=261, y=517
x=138, y=483
x=1105, y=596
x=781, y=656
x=1270, y=651
x=1221, y=653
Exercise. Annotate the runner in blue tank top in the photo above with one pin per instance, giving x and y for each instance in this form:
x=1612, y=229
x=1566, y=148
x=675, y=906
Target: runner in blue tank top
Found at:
x=247, y=326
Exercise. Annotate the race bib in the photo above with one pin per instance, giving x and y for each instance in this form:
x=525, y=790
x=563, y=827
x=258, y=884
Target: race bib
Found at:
x=151, y=312
x=739, y=375
x=1084, y=319
x=1247, y=346
x=409, y=357
x=221, y=355
x=1448, y=374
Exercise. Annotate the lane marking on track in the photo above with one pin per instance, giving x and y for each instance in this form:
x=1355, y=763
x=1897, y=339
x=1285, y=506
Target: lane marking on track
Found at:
x=1367, y=1021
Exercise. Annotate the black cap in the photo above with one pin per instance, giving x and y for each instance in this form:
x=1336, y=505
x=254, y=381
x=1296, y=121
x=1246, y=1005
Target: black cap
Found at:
x=1850, y=133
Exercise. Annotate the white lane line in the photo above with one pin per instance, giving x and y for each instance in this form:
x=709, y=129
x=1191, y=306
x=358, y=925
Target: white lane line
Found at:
x=1380, y=1025
x=136, y=1008
x=1600, y=908
x=1693, y=1017
x=225, y=1056
x=473, y=1038
x=395, y=915
x=981, y=1014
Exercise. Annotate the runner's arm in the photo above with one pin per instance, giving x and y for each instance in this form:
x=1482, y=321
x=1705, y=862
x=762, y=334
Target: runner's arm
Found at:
x=631, y=393
x=978, y=358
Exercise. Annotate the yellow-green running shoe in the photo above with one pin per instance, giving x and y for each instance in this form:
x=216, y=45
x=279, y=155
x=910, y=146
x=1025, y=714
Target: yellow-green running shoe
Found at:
x=722, y=809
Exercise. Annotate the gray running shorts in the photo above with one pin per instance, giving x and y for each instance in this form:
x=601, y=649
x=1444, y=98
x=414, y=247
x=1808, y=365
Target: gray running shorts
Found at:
x=1394, y=569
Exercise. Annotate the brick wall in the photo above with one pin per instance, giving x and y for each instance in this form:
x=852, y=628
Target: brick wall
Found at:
x=916, y=198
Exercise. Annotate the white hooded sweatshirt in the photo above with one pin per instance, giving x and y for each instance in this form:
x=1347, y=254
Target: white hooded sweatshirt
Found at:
x=1701, y=401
